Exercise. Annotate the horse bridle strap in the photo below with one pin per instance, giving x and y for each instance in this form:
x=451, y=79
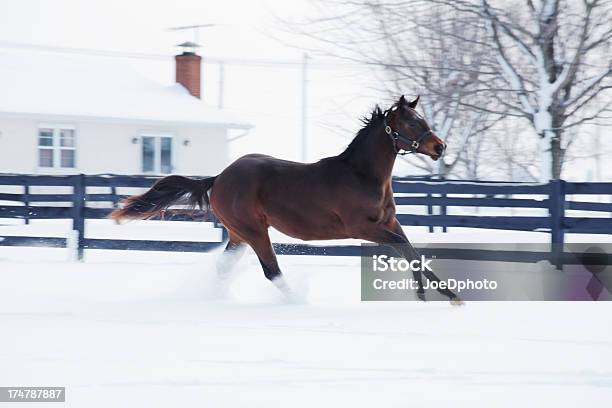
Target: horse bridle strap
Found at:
x=395, y=136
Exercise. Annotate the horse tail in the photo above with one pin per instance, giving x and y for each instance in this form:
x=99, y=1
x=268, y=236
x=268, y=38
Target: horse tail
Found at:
x=165, y=193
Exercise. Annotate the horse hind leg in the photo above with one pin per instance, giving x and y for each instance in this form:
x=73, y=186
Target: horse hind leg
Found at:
x=226, y=264
x=271, y=270
x=259, y=240
x=273, y=273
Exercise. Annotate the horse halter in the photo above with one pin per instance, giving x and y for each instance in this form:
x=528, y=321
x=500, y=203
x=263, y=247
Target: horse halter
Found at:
x=395, y=136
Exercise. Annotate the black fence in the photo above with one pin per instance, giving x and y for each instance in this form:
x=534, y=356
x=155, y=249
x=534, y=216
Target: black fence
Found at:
x=437, y=196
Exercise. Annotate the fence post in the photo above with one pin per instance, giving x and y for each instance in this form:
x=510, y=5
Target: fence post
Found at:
x=443, y=207
x=430, y=210
x=26, y=202
x=114, y=193
x=224, y=234
x=556, y=200
x=78, y=213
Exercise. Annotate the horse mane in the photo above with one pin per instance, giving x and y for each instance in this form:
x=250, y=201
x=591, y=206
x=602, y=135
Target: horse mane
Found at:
x=369, y=123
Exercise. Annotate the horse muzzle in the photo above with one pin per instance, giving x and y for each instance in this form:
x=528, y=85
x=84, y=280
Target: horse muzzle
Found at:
x=439, y=150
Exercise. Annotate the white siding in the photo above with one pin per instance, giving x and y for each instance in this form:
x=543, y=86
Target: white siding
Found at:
x=18, y=145
x=104, y=147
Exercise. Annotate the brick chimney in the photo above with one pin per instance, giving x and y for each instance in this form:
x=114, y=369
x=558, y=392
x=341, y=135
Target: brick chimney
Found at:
x=188, y=68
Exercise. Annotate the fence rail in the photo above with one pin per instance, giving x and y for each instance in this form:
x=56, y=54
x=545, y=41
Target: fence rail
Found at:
x=432, y=194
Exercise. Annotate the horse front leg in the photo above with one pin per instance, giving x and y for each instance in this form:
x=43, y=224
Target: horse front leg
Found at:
x=392, y=234
x=408, y=252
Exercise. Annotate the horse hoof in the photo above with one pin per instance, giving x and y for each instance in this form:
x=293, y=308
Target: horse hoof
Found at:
x=421, y=296
x=456, y=301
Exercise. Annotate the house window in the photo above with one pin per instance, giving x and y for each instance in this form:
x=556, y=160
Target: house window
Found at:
x=157, y=154
x=56, y=147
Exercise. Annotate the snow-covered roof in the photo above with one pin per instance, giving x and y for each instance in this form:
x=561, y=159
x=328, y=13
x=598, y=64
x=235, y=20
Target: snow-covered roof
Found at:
x=64, y=85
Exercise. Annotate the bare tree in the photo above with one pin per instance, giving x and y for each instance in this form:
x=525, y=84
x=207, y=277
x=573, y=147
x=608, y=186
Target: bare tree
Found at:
x=430, y=60
x=416, y=49
x=554, y=56
x=517, y=151
x=543, y=61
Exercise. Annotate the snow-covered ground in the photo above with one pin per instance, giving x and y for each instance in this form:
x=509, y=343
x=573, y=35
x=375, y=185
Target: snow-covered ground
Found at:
x=135, y=329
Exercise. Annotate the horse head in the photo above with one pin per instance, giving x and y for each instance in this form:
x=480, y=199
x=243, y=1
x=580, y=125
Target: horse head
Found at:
x=410, y=131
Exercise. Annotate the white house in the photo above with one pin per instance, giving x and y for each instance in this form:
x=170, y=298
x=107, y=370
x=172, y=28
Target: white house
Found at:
x=63, y=114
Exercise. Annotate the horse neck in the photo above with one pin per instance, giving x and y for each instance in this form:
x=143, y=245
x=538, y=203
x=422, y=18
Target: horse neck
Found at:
x=374, y=154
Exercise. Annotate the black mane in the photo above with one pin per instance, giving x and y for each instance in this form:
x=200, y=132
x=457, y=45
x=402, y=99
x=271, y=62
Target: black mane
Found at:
x=369, y=123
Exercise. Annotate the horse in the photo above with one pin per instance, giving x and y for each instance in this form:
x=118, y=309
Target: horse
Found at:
x=345, y=196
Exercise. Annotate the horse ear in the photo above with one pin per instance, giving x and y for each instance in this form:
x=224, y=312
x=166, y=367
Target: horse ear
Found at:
x=413, y=104
x=402, y=102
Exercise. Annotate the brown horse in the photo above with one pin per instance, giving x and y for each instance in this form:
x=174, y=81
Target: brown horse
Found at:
x=345, y=196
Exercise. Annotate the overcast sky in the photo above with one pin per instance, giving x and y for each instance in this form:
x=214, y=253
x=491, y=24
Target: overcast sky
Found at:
x=140, y=25
x=270, y=97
